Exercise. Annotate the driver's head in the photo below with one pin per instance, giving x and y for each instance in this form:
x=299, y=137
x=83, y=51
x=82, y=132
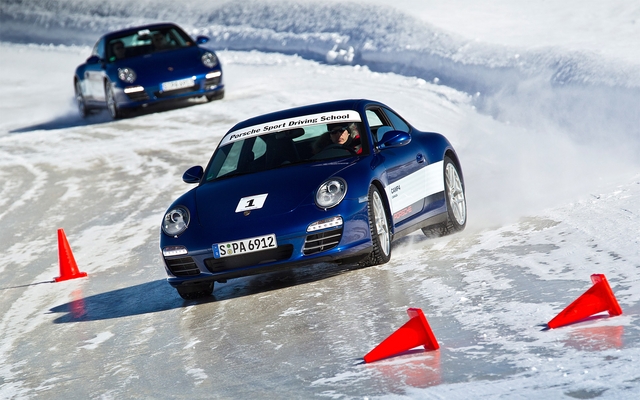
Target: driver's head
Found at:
x=158, y=40
x=118, y=49
x=339, y=133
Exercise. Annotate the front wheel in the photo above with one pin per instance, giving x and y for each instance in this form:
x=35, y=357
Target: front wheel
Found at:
x=380, y=230
x=112, y=106
x=456, y=203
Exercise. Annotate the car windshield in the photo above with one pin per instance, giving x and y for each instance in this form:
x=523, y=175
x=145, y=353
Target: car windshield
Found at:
x=248, y=153
x=146, y=41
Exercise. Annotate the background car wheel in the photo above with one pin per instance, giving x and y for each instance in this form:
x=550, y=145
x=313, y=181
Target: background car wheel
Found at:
x=82, y=106
x=112, y=106
x=190, y=292
x=456, y=203
x=219, y=95
x=380, y=230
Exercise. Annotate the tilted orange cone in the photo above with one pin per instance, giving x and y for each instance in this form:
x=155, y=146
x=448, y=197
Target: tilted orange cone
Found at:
x=414, y=333
x=68, y=266
x=595, y=300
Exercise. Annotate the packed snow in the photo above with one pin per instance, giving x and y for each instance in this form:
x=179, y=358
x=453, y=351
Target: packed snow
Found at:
x=539, y=99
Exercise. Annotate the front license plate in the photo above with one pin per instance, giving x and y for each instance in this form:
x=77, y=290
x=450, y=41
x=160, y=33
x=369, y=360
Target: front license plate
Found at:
x=244, y=246
x=179, y=84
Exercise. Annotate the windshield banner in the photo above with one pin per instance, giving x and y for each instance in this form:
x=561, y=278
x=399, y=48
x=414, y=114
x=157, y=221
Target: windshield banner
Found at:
x=285, y=124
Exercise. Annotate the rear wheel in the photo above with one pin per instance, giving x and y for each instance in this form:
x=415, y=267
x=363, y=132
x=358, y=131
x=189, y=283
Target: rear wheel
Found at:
x=456, y=203
x=82, y=106
x=190, y=292
x=380, y=230
x=110, y=97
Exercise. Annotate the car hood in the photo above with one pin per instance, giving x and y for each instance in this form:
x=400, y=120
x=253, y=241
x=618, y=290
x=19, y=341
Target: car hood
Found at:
x=285, y=188
x=164, y=66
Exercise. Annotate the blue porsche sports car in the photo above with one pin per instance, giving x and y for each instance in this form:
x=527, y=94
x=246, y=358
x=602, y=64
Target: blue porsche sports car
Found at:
x=145, y=65
x=330, y=182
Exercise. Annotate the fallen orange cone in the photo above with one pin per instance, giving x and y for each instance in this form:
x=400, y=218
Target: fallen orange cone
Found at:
x=595, y=300
x=414, y=333
x=68, y=266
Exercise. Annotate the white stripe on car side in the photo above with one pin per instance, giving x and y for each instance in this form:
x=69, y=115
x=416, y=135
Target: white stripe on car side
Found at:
x=416, y=186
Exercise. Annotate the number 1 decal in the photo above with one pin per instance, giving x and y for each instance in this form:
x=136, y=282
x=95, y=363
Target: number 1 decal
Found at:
x=251, y=202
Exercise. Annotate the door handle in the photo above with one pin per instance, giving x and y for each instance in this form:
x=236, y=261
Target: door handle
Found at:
x=420, y=158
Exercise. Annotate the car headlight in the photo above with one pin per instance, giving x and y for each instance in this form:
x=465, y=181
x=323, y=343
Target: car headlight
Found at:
x=127, y=75
x=209, y=59
x=331, y=193
x=175, y=221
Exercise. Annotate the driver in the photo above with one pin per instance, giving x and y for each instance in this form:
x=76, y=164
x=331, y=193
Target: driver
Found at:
x=336, y=134
x=159, y=41
x=118, y=49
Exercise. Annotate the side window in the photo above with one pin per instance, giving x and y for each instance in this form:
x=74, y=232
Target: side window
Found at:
x=94, y=51
x=397, y=122
x=373, y=119
x=377, y=123
x=98, y=49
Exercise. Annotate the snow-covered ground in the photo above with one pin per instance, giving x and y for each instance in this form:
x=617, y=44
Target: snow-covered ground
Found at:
x=540, y=99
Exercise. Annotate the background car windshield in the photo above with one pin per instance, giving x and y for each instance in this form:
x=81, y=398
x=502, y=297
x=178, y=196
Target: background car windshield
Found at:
x=284, y=148
x=147, y=41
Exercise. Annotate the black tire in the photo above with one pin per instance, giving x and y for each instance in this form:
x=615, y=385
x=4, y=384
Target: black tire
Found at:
x=219, y=95
x=110, y=98
x=456, y=203
x=82, y=105
x=379, y=224
x=190, y=292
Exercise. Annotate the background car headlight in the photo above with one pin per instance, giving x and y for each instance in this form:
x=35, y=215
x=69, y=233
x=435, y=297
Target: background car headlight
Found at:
x=331, y=193
x=209, y=59
x=127, y=75
x=175, y=221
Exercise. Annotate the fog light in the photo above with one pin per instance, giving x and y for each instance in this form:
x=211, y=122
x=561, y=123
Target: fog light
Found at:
x=133, y=89
x=213, y=74
x=174, y=251
x=325, y=223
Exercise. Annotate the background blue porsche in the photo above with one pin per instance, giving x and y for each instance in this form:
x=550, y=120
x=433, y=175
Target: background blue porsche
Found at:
x=144, y=65
x=331, y=182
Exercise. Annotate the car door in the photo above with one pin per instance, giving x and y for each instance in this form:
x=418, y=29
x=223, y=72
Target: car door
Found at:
x=94, y=73
x=404, y=165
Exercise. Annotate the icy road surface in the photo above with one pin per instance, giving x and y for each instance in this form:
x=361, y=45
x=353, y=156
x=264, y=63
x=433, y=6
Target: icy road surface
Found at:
x=123, y=332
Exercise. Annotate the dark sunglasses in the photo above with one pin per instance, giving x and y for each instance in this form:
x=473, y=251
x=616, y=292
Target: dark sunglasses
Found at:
x=340, y=130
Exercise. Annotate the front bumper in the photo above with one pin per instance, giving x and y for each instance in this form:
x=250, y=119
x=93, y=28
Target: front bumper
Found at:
x=132, y=96
x=351, y=240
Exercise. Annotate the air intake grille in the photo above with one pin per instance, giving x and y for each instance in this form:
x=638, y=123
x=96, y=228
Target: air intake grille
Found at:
x=138, y=96
x=322, y=241
x=212, y=81
x=182, y=266
x=176, y=92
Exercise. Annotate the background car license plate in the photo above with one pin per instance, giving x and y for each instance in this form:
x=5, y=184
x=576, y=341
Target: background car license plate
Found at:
x=179, y=84
x=244, y=246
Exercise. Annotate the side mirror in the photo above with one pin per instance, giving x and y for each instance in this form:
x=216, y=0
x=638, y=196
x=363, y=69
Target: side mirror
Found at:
x=193, y=174
x=394, y=139
x=93, y=60
x=202, y=39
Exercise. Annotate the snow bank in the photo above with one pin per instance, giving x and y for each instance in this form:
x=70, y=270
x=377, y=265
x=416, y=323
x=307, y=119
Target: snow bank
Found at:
x=593, y=98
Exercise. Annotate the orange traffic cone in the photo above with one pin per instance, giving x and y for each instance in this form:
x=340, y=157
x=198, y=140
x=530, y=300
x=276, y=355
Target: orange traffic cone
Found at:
x=414, y=333
x=595, y=300
x=68, y=266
